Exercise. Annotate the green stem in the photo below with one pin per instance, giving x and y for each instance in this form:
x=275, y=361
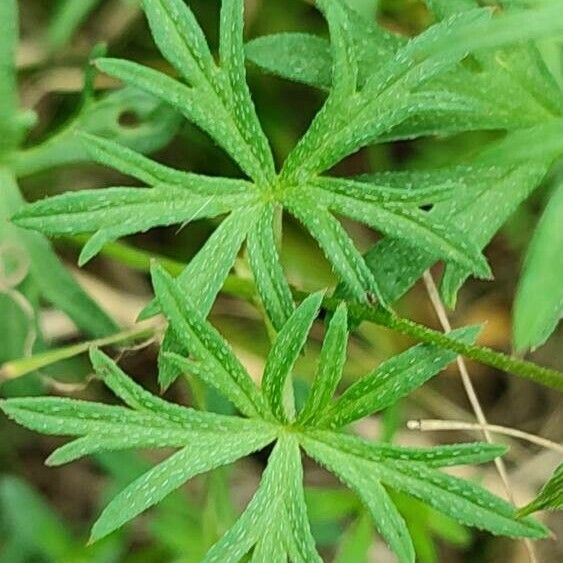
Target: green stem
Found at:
x=23, y=366
x=140, y=260
x=522, y=368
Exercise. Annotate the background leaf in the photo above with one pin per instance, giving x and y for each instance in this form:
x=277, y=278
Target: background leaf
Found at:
x=539, y=299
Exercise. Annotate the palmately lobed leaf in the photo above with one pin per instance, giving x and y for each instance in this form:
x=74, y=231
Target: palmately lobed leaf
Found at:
x=216, y=98
x=380, y=87
x=275, y=522
x=206, y=440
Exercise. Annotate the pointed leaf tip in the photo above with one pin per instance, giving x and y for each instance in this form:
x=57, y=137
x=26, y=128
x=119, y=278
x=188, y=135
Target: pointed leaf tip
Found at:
x=284, y=353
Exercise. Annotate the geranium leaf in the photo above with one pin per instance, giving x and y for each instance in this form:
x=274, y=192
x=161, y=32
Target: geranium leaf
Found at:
x=438, y=456
x=115, y=212
x=485, y=197
x=464, y=501
x=231, y=54
x=417, y=228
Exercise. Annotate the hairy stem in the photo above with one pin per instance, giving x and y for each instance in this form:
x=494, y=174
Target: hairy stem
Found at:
x=522, y=368
x=18, y=368
x=140, y=260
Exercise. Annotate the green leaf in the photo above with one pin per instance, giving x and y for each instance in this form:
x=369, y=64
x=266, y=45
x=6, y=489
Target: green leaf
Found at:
x=337, y=246
x=168, y=370
x=203, y=283
x=498, y=95
x=465, y=502
x=482, y=217
x=368, y=486
x=382, y=103
x=371, y=192
x=202, y=454
x=217, y=100
x=231, y=54
x=462, y=500
x=308, y=59
x=137, y=398
x=539, y=298
x=207, y=346
x=276, y=517
x=108, y=428
x=437, y=456
x=270, y=547
x=393, y=379
x=284, y=353
x=485, y=197
x=300, y=57
x=549, y=498
x=309, y=157
x=329, y=370
x=131, y=163
x=267, y=270
x=214, y=120
x=116, y=212
x=388, y=99
x=207, y=440
x=180, y=39
x=542, y=143
x=345, y=63
x=417, y=228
